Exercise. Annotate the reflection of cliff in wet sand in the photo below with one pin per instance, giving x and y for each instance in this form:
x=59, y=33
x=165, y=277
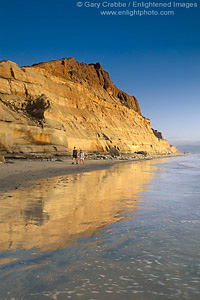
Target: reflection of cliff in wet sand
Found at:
x=56, y=211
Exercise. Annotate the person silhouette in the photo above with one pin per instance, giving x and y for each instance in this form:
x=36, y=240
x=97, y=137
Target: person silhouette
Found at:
x=75, y=156
x=81, y=156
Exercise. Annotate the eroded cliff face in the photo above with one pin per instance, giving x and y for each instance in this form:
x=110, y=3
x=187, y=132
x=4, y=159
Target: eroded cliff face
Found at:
x=52, y=107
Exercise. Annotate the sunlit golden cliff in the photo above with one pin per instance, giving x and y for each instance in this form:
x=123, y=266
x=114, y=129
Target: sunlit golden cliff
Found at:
x=51, y=107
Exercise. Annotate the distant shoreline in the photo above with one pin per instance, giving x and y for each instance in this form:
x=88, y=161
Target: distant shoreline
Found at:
x=17, y=173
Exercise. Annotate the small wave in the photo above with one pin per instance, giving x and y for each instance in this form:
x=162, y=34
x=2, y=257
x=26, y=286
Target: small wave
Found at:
x=191, y=164
x=190, y=221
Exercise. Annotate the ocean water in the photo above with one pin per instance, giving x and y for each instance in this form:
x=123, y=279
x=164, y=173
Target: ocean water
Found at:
x=130, y=232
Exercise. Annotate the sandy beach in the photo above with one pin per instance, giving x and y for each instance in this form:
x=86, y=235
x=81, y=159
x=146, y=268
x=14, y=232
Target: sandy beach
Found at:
x=117, y=230
x=19, y=172
x=15, y=173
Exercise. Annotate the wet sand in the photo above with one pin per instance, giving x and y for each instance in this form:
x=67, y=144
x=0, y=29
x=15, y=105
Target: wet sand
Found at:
x=127, y=232
x=16, y=173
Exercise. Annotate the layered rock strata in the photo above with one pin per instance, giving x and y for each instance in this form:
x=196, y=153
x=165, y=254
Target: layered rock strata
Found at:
x=49, y=108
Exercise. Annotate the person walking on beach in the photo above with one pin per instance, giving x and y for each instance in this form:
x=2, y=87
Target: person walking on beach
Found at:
x=75, y=156
x=81, y=156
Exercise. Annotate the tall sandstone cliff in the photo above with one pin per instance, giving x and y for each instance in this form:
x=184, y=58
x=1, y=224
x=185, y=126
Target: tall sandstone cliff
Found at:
x=49, y=108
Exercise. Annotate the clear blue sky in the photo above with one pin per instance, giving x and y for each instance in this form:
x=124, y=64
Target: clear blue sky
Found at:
x=155, y=58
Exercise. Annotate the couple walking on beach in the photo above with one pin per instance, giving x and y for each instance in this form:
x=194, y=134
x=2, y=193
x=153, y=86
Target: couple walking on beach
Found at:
x=75, y=155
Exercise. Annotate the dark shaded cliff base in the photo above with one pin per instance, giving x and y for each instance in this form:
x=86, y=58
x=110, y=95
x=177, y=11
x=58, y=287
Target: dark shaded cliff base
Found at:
x=15, y=173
